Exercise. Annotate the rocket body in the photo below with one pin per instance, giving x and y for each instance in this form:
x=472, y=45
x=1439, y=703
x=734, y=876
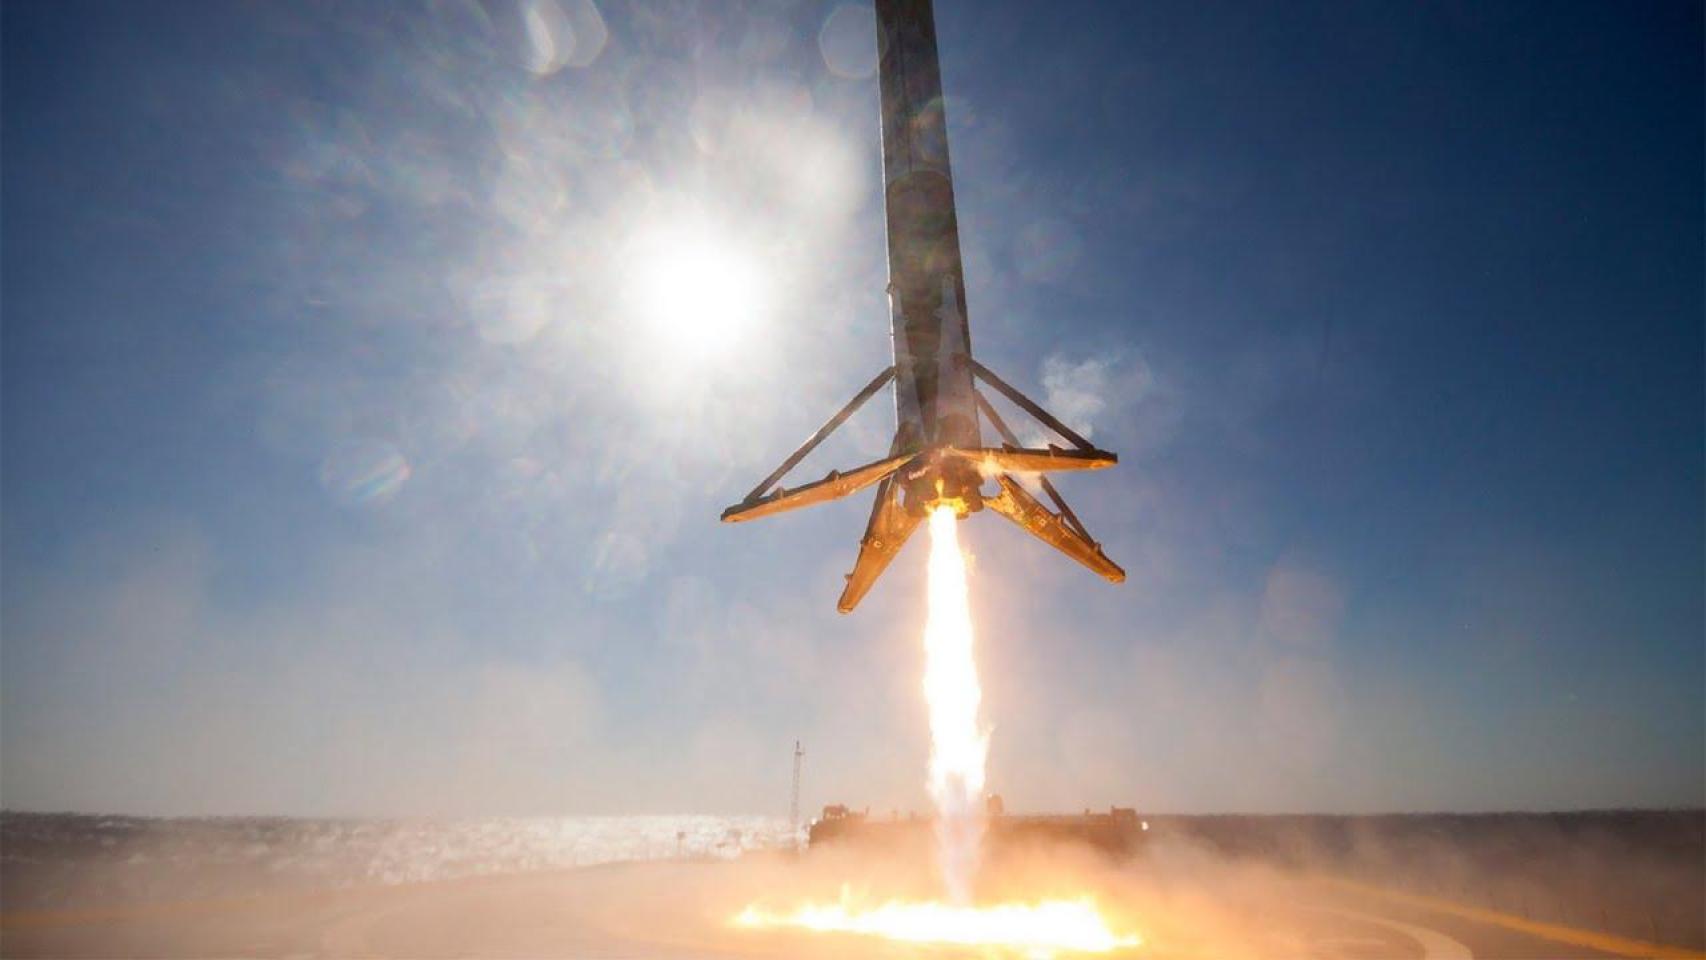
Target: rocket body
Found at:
x=932, y=349
x=937, y=458
x=934, y=400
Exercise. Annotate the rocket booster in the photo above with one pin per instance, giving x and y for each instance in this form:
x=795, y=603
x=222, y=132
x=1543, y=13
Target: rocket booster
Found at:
x=937, y=457
x=932, y=346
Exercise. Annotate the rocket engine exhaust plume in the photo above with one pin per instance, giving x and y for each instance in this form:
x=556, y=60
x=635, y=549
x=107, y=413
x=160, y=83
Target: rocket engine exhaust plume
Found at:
x=958, y=744
x=1040, y=930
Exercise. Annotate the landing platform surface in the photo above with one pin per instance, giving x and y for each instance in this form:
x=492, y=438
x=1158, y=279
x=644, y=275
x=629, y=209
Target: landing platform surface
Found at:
x=672, y=911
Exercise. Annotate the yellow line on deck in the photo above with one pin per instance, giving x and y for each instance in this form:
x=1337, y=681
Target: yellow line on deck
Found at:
x=1557, y=933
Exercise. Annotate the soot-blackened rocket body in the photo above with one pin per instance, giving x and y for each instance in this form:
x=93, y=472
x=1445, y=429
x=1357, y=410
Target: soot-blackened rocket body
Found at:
x=937, y=457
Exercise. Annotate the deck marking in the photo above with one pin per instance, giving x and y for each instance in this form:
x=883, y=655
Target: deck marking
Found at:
x=1557, y=933
x=1435, y=945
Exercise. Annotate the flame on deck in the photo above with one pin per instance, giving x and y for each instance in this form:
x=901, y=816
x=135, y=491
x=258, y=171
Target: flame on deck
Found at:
x=1040, y=929
x=959, y=745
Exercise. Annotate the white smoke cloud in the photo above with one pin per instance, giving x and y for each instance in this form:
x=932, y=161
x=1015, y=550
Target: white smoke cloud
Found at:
x=1077, y=392
x=1117, y=387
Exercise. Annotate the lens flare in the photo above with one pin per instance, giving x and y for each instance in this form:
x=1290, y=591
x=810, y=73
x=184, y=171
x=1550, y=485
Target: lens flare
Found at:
x=958, y=744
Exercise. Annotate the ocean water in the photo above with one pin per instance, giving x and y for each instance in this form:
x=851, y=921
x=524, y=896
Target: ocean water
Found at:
x=50, y=861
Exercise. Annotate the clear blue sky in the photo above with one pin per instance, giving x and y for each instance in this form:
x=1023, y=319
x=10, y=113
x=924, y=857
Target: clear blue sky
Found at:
x=373, y=376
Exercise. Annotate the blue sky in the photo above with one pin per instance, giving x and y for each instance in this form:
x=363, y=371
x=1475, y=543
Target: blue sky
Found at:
x=373, y=377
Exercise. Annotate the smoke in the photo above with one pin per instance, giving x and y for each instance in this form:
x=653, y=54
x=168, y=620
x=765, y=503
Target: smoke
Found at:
x=1196, y=886
x=1118, y=388
x=1077, y=392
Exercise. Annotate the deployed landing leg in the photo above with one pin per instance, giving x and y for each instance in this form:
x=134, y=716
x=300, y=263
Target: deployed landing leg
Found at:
x=885, y=534
x=912, y=481
x=1063, y=530
x=761, y=502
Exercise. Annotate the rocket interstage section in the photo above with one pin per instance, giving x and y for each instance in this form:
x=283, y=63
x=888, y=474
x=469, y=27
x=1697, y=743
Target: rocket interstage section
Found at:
x=938, y=456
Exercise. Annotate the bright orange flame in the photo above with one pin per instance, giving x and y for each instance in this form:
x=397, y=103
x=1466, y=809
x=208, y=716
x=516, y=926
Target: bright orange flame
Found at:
x=958, y=748
x=958, y=745
x=1032, y=929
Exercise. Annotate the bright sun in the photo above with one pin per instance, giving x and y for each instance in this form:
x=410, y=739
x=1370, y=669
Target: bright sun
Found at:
x=697, y=294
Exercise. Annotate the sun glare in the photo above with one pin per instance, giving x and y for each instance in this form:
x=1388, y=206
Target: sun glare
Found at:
x=697, y=294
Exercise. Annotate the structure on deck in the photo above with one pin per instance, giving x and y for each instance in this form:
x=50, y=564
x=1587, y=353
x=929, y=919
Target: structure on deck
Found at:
x=1118, y=831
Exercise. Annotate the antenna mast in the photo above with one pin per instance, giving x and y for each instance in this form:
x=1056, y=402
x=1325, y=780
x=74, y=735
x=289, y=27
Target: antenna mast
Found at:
x=794, y=798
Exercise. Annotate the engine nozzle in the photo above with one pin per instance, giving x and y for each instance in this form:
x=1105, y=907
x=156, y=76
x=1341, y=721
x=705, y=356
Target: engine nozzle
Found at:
x=942, y=479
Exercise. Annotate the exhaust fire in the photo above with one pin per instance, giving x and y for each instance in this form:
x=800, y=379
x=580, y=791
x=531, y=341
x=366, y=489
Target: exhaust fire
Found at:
x=1032, y=929
x=958, y=747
